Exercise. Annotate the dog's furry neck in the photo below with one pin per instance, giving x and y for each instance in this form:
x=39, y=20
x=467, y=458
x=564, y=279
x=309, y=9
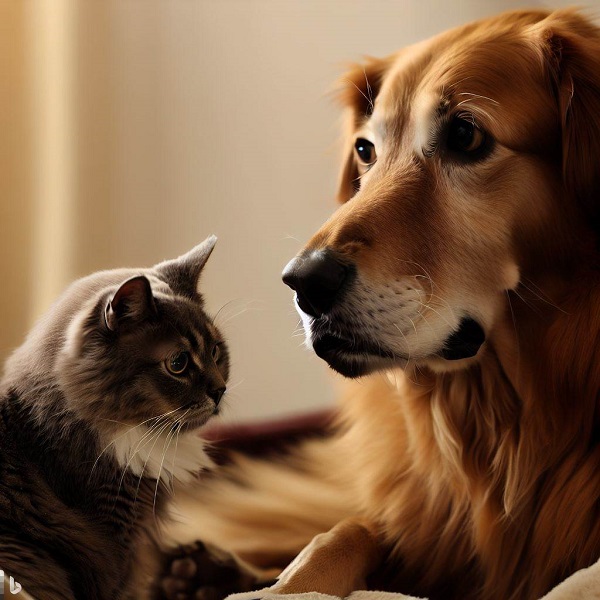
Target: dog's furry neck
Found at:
x=518, y=428
x=541, y=367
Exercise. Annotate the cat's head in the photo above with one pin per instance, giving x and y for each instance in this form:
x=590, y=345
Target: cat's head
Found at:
x=141, y=347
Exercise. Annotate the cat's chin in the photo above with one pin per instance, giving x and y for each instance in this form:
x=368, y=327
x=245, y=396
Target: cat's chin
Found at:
x=196, y=423
x=176, y=453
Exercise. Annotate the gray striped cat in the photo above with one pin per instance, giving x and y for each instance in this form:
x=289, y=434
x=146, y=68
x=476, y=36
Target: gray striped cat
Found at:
x=100, y=410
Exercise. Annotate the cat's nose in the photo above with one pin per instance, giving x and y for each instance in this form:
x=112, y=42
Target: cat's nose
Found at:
x=216, y=394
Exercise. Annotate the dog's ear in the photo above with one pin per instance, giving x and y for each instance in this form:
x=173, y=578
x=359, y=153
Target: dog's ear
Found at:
x=357, y=90
x=571, y=49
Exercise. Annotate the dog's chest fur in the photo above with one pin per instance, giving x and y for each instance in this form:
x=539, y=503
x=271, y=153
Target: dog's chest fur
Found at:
x=491, y=507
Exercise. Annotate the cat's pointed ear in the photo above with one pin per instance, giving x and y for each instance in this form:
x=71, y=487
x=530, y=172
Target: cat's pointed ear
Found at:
x=182, y=274
x=131, y=303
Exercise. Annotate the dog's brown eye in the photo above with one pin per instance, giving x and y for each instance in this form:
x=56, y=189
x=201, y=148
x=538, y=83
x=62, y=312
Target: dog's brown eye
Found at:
x=178, y=363
x=464, y=136
x=365, y=151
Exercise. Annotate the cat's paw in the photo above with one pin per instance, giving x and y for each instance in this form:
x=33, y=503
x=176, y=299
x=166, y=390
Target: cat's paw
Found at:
x=193, y=573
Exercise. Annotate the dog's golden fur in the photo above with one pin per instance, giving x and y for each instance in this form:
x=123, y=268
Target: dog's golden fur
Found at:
x=482, y=476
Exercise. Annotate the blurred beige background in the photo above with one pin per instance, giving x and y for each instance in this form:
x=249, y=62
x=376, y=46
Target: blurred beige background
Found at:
x=131, y=130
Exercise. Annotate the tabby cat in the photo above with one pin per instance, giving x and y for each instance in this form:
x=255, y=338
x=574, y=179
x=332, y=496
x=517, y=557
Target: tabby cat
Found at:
x=100, y=411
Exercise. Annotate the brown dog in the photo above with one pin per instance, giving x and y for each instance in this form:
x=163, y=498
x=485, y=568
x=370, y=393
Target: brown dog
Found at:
x=462, y=266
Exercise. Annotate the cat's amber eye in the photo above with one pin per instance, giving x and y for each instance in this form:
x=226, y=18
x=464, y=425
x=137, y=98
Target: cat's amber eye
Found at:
x=216, y=352
x=178, y=363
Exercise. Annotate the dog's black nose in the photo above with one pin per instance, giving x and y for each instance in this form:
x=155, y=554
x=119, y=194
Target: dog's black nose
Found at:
x=216, y=394
x=317, y=279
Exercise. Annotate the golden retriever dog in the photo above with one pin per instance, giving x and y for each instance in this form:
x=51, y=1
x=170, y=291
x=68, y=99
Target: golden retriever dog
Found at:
x=458, y=283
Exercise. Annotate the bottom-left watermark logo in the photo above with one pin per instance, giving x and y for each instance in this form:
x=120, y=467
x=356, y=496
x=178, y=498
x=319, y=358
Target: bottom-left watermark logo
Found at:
x=13, y=586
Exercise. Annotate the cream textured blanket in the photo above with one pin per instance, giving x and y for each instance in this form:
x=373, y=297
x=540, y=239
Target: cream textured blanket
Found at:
x=583, y=585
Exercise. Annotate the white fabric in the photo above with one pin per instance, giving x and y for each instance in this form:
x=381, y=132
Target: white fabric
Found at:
x=582, y=585
x=267, y=594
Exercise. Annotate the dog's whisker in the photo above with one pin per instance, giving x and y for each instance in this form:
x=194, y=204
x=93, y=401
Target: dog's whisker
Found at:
x=526, y=302
x=360, y=91
x=291, y=237
x=478, y=96
x=514, y=321
x=547, y=300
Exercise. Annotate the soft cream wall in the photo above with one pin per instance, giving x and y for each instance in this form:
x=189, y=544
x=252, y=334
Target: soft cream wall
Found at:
x=15, y=176
x=198, y=117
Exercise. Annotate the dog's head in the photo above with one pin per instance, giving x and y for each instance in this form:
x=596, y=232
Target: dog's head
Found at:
x=471, y=169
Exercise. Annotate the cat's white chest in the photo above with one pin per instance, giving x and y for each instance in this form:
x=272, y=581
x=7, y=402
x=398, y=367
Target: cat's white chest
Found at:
x=163, y=455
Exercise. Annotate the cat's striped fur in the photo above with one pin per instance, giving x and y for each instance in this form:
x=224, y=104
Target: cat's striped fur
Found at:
x=95, y=424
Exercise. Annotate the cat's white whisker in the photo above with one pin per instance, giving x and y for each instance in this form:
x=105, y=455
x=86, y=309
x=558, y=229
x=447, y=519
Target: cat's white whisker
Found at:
x=130, y=428
x=234, y=386
x=156, y=428
x=159, y=432
x=237, y=314
x=168, y=439
x=231, y=304
x=108, y=446
x=179, y=426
